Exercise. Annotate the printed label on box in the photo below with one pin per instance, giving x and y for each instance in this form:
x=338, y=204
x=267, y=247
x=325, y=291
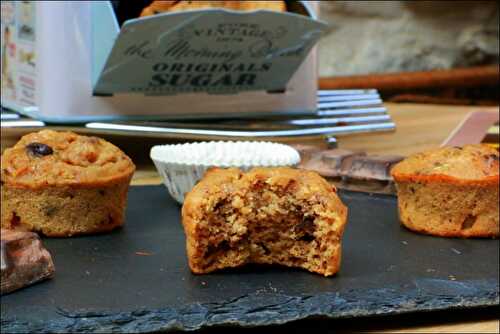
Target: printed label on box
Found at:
x=8, y=50
x=214, y=51
x=18, y=81
x=26, y=60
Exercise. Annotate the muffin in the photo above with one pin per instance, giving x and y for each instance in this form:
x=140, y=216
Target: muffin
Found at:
x=157, y=7
x=61, y=184
x=268, y=216
x=450, y=191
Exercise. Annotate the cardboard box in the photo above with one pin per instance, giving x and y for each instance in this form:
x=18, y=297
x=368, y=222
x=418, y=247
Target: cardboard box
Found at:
x=78, y=65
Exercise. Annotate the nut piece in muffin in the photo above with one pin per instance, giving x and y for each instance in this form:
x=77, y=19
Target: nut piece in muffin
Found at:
x=450, y=191
x=157, y=7
x=62, y=184
x=276, y=215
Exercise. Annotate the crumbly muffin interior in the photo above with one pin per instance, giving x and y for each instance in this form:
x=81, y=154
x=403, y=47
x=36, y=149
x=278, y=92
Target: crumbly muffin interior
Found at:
x=269, y=224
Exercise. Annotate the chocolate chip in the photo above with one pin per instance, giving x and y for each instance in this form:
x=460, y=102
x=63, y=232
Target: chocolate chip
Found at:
x=468, y=222
x=264, y=248
x=102, y=192
x=15, y=220
x=39, y=149
x=259, y=185
x=306, y=225
x=306, y=238
x=222, y=246
x=305, y=229
x=218, y=206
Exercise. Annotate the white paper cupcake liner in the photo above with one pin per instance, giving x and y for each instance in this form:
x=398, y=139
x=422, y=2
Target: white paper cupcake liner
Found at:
x=182, y=165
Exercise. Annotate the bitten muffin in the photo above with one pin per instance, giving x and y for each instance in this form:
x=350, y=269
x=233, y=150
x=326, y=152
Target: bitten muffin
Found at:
x=157, y=7
x=450, y=191
x=61, y=184
x=269, y=215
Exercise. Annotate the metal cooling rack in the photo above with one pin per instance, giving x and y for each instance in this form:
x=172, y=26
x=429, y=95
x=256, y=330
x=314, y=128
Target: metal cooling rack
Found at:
x=340, y=112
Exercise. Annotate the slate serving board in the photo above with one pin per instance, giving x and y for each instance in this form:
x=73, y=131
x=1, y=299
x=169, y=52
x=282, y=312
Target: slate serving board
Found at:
x=137, y=278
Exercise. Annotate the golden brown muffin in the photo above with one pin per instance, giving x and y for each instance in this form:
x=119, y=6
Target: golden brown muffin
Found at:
x=156, y=7
x=450, y=191
x=175, y=6
x=62, y=184
x=268, y=215
x=278, y=6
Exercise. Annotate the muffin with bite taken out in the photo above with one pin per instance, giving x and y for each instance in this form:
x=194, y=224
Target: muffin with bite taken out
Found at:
x=268, y=215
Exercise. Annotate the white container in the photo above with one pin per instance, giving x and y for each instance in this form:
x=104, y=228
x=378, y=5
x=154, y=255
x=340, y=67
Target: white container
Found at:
x=57, y=52
x=181, y=166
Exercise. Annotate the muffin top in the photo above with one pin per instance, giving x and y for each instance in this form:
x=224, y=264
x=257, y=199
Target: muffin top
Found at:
x=300, y=184
x=52, y=158
x=468, y=164
x=173, y=6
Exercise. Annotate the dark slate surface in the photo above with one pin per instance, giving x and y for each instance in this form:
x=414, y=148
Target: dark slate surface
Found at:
x=137, y=278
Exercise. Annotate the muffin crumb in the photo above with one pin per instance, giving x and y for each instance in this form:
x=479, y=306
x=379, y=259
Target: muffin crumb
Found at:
x=268, y=216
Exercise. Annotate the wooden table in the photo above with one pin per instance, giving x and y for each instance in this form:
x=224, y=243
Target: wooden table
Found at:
x=419, y=127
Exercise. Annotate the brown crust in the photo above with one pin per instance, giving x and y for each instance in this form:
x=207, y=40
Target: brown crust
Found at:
x=450, y=192
x=476, y=165
x=448, y=234
x=441, y=178
x=71, y=160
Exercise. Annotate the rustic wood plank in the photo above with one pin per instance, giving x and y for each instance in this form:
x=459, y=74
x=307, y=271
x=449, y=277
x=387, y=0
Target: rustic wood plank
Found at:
x=460, y=77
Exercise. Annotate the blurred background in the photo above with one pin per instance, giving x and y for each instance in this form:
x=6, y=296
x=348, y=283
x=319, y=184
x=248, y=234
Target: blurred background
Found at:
x=397, y=37
x=421, y=66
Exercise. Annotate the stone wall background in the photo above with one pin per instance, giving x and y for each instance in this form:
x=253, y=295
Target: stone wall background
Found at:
x=392, y=36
